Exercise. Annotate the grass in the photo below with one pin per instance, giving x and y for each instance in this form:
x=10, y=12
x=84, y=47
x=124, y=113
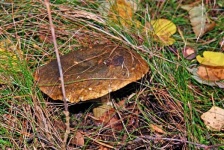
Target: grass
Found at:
x=168, y=97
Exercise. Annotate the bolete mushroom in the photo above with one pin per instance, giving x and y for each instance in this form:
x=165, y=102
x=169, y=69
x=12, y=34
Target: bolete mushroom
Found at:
x=91, y=73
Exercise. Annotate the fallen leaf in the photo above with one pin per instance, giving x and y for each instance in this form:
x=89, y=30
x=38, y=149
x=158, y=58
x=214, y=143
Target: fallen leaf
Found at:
x=156, y=128
x=78, y=139
x=121, y=12
x=214, y=118
x=199, y=18
x=212, y=68
x=194, y=70
x=211, y=73
x=110, y=119
x=162, y=30
x=59, y=124
x=210, y=58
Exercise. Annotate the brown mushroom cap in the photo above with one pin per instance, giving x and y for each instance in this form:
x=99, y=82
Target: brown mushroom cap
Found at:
x=90, y=73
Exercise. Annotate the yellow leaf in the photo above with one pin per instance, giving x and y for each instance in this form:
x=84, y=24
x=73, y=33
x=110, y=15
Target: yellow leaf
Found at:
x=214, y=118
x=163, y=27
x=215, y=59
x=162, y=30
x=122, y=12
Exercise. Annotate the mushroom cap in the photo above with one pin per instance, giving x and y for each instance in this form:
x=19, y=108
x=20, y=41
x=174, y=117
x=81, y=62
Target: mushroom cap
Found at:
x=90, y=73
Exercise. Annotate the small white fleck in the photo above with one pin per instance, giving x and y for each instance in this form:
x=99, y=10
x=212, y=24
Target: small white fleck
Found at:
x=109, y=90
x=75, y=62
x=109, y=103
x=90, y=89
x=81, y=98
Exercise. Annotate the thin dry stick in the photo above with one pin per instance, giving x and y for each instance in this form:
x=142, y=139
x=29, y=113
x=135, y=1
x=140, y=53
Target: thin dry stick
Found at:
x=61, y=76
x=122, y=121
x=148, y=137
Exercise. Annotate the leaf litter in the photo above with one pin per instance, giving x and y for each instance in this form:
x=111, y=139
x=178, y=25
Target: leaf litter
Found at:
x=199, y=19
x=211, y=70
x=214, y=118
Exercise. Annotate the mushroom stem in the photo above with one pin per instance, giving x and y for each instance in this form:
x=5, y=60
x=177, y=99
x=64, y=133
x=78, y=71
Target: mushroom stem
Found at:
x=105, y=106
x=105, y=100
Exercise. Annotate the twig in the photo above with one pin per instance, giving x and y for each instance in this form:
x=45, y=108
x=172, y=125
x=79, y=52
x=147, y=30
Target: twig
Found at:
x=99, y=142
x=66, y=112
x=148, y=137
x=122, y=121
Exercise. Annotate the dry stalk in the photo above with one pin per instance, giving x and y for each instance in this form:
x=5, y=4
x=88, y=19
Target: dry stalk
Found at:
x=66, y=112
x=184, y=141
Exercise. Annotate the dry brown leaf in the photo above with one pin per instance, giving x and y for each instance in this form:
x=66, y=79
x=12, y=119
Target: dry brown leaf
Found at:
x=58, y=124
x=194, y=70
x=214, y=118
x=199, y=18
x=110, y=119
x=78, y=139
x=156, y=128
x=211, y=73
